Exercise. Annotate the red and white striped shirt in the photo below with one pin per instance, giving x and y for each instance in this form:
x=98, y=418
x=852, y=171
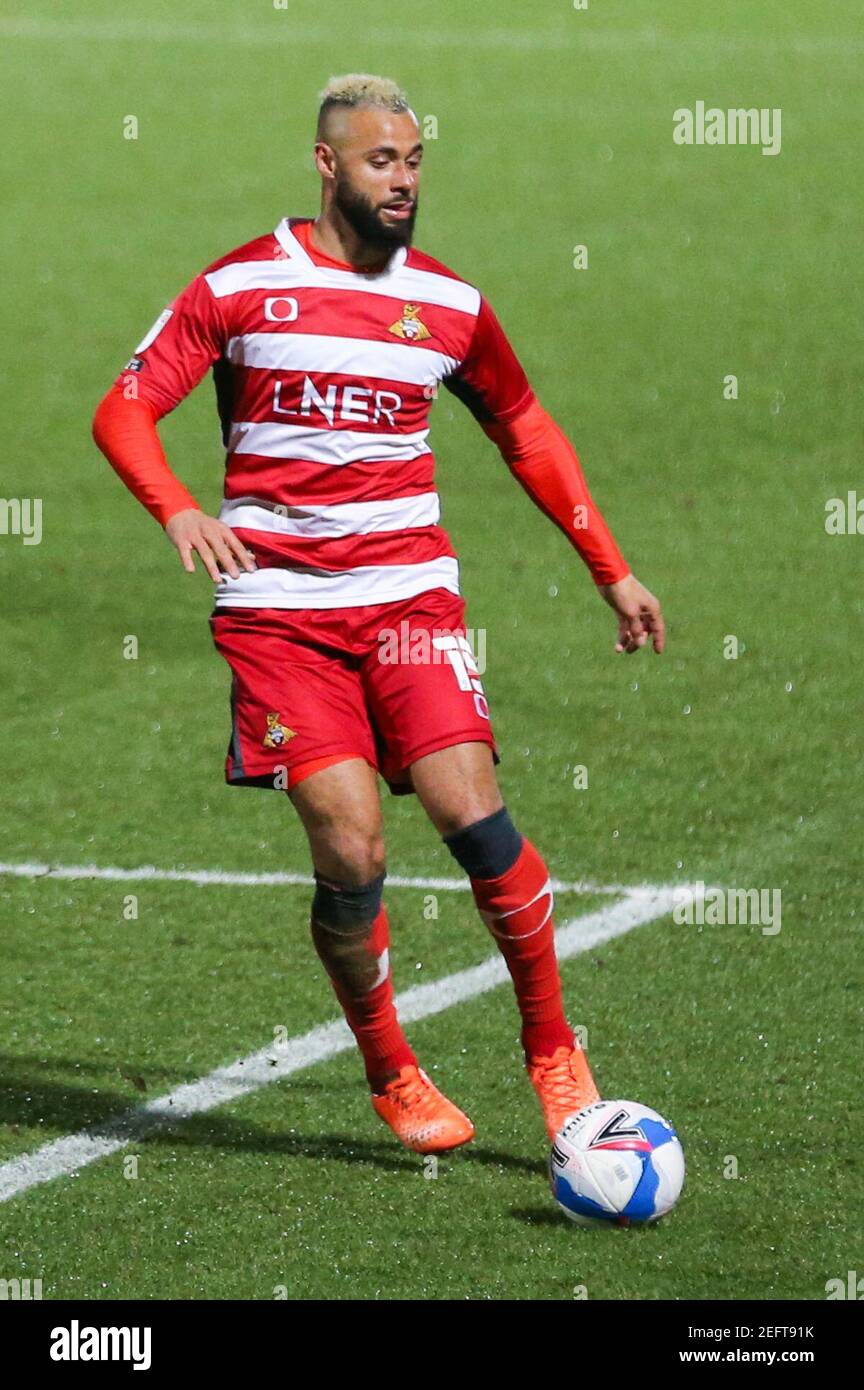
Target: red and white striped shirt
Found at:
x=325, y=377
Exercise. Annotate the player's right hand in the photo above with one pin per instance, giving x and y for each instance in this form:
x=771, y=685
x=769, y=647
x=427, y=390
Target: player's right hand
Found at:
x=192, y=531
x=639, y=614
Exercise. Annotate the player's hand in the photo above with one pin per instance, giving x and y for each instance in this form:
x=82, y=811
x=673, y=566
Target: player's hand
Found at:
x=194, y=532
x=639, y=614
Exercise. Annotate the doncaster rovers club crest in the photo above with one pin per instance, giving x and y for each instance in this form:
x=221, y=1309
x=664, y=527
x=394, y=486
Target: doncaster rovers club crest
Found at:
x=277, y=733
x=410, y=325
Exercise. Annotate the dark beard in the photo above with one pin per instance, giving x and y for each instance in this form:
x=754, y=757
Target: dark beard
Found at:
x=364, y=218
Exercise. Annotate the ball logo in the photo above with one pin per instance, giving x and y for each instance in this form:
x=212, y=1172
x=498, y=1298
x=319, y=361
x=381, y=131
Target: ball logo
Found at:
x=575, y=1122
x=616, y=1134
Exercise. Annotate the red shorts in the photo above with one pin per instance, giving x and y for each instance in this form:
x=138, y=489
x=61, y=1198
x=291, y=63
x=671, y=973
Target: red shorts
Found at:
x=388, y=682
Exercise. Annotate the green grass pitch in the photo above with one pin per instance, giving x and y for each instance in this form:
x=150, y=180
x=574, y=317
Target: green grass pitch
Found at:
x=554, y=130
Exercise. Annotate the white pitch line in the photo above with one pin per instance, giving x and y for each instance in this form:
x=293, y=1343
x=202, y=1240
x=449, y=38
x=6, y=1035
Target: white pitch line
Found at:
x=228, y=879
x=66, y=1156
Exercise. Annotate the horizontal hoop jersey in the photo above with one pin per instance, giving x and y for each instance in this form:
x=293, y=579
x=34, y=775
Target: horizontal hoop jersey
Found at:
x=325, y=377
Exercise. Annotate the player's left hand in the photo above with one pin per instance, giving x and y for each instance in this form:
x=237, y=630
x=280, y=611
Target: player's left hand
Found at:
x=639, y=614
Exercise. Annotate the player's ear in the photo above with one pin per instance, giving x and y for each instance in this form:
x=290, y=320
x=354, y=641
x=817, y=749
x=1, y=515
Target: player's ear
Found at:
x=325, y=159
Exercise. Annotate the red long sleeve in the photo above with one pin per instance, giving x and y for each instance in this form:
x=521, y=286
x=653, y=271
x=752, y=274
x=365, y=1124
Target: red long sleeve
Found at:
x=543, y=459
x=125, y=430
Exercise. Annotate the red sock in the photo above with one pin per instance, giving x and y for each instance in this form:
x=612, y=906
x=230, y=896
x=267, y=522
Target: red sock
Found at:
x=369, y=1011
x=517, y=909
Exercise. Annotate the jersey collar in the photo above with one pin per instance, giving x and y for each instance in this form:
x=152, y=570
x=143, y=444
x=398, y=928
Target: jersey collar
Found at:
x=289, y=243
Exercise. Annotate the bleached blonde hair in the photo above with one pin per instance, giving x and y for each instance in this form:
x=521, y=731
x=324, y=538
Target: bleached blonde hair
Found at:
x=361, y=89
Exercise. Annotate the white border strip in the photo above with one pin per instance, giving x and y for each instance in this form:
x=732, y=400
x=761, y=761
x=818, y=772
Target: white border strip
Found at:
x=66, y=1156
x=366, y=359
x=326, y=521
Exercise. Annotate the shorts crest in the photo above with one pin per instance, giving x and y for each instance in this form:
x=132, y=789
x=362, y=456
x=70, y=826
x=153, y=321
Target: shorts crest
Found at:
x=277, y=733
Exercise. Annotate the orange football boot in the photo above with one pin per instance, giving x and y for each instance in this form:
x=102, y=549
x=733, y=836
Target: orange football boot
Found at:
x=564, y=1084
x=419, y=1115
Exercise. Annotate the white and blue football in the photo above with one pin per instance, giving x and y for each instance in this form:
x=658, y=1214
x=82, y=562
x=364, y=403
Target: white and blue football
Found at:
x=616, y=1162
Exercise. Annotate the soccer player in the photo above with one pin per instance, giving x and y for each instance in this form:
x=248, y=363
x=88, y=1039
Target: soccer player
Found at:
x=328, y=340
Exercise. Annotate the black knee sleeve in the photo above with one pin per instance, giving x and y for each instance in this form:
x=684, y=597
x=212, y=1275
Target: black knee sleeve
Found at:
x=488, y=848
x=344, y=908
